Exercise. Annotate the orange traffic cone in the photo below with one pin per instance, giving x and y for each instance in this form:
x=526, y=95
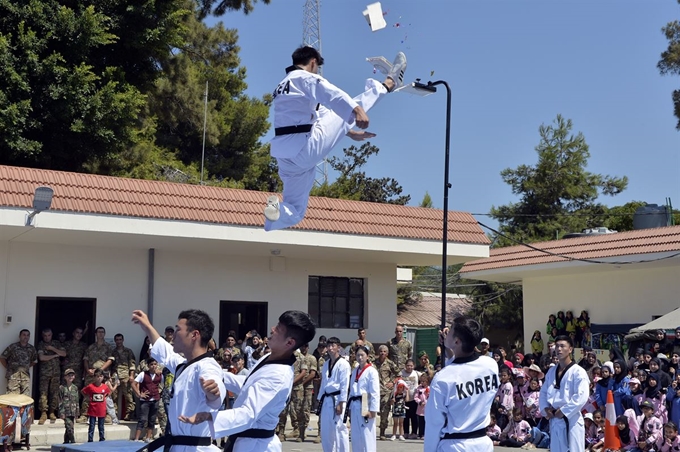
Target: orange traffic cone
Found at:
x=611, y=431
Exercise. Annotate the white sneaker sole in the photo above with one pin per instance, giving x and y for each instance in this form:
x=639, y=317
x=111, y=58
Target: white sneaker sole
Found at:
x=272, y=212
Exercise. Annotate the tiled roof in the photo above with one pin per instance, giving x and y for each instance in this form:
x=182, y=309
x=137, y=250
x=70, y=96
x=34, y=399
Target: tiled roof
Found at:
x=90, y=193
x=630, y=243
x=427, y=311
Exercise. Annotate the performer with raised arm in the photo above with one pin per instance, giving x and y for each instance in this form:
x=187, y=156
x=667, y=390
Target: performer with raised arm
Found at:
x=262, y=395
x=198, y=382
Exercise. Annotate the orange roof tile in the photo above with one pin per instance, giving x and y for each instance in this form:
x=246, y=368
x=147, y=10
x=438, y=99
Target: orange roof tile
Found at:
x=427, y=311
x=90, y=193
x=642, y=241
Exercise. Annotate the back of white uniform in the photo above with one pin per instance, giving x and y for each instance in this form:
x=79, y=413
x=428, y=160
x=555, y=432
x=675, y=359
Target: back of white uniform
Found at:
x=460, y=401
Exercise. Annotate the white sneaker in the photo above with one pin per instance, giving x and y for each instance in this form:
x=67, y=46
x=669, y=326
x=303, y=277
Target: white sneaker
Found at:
x=397, y=71
x=272, y=210
x=393, y=438
x=401, y=438
x=380, y=64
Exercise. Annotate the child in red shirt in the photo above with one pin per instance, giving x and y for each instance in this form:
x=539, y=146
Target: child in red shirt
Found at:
x=97, y=393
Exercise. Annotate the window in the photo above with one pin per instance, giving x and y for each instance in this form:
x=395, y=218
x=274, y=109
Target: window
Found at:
x=336, y=302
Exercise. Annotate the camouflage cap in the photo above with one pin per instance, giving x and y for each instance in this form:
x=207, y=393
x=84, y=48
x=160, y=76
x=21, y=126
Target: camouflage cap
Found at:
x=69, y=371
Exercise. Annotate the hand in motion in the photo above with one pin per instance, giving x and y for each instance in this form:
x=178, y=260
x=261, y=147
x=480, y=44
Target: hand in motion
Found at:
x=196, y=418
x=210, y=387
x=361, y=117
x=359, y=135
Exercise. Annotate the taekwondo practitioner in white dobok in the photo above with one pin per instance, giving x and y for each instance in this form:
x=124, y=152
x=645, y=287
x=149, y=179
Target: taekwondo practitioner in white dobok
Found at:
x=563, y=395
x=364, y=382
x=458, y=410
x=333, y=399
x=195, y=373
x=263, y=394
x=310, y=117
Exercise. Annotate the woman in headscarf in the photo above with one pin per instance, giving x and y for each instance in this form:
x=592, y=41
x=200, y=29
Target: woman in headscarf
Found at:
x=655, y=395
x=620, y=386
x=604, y=384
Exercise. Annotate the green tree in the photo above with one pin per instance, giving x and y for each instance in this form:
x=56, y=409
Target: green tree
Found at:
x=669, y=64
x=554, y=189
x=220, y=7
x=352, y=183
x=427, y=201
x=65, y=99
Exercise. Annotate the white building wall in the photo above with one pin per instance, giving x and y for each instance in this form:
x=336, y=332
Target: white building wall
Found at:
x=117, y=279
x=620, y=296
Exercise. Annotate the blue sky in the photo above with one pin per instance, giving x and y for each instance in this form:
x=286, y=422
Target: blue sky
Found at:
x=512, y=65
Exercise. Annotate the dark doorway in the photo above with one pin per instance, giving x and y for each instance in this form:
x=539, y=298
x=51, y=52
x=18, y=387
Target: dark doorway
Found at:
x=242, y=316
x=63, y=315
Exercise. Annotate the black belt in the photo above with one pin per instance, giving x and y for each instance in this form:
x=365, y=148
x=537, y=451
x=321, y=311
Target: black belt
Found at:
x=289, y=130
x=323, y=396
x=349, y=402
x=465, y=435
x=167, y=441
x=250, y=433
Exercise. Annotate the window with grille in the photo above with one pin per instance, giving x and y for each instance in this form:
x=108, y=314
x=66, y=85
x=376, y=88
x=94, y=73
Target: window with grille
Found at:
x=336, y=302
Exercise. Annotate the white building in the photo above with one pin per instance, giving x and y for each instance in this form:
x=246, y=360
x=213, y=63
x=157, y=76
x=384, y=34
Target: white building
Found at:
x=110, y=245
x=622, y=278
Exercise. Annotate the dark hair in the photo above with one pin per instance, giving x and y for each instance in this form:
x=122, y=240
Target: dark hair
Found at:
x=303, y=55
x=151, y=361
x=299, y=326
x=625, y=433
x=362, y=348
x=517, y=410
x=671, y=425
x=145, y=349
x=469, y=331
x=359, y=330
x=47, y=330
x=231, y=336
x=566, y=339
x=332, y=340
x=22, y=332
x=100, y=328
x=493, y=417
x=322, y=338
x=119, y=335
x=98, y=372
x=200, y=321
x=412, y=362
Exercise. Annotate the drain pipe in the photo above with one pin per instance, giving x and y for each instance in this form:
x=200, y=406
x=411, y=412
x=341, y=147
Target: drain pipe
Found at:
x=149, y=296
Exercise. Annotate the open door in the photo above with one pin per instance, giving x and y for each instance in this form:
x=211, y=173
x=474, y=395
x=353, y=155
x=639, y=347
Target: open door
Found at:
x=241, y=317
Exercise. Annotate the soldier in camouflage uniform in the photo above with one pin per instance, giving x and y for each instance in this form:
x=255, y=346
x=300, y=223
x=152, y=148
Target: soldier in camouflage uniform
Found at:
x=361, y=340
x=49, y=352
x=69, y=398
x=388, y=372
x=307, y=390
x=97, y=356
x=400, y=348
x=125, y=361
x=18, y=358
x=75, y=351
x=296, y=398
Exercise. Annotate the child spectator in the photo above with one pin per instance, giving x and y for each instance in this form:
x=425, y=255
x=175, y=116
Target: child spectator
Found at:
x=598, y=419
x=96, y=410
x=671, y=441
x=112, y=383
x=626, y=435
x=493, y=431
x=650, y=436
x=517, y=432
x=399, y=399
x=636, y=390
x=620, y=384
x=592, y=430
x=673, y=399
x=421, y=395
x=519, y=388
x=532, y=413
x=146, y=388
x=537, y=345
x=504, y=398
x=655, y=395
x=69, y=406
x=604, y=384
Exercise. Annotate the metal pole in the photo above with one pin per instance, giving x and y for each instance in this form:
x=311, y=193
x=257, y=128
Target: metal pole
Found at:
x=205, y=123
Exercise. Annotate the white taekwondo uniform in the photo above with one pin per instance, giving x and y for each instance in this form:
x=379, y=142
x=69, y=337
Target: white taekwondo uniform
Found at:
x=363, y=430
x=262, y=395
x=306, y=99
x=333, y=390
x=568, y=394
x=188, y=397
x=458, y=409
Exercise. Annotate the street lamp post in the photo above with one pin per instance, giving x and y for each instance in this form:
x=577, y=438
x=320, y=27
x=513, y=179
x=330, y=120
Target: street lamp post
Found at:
x=432, y=87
